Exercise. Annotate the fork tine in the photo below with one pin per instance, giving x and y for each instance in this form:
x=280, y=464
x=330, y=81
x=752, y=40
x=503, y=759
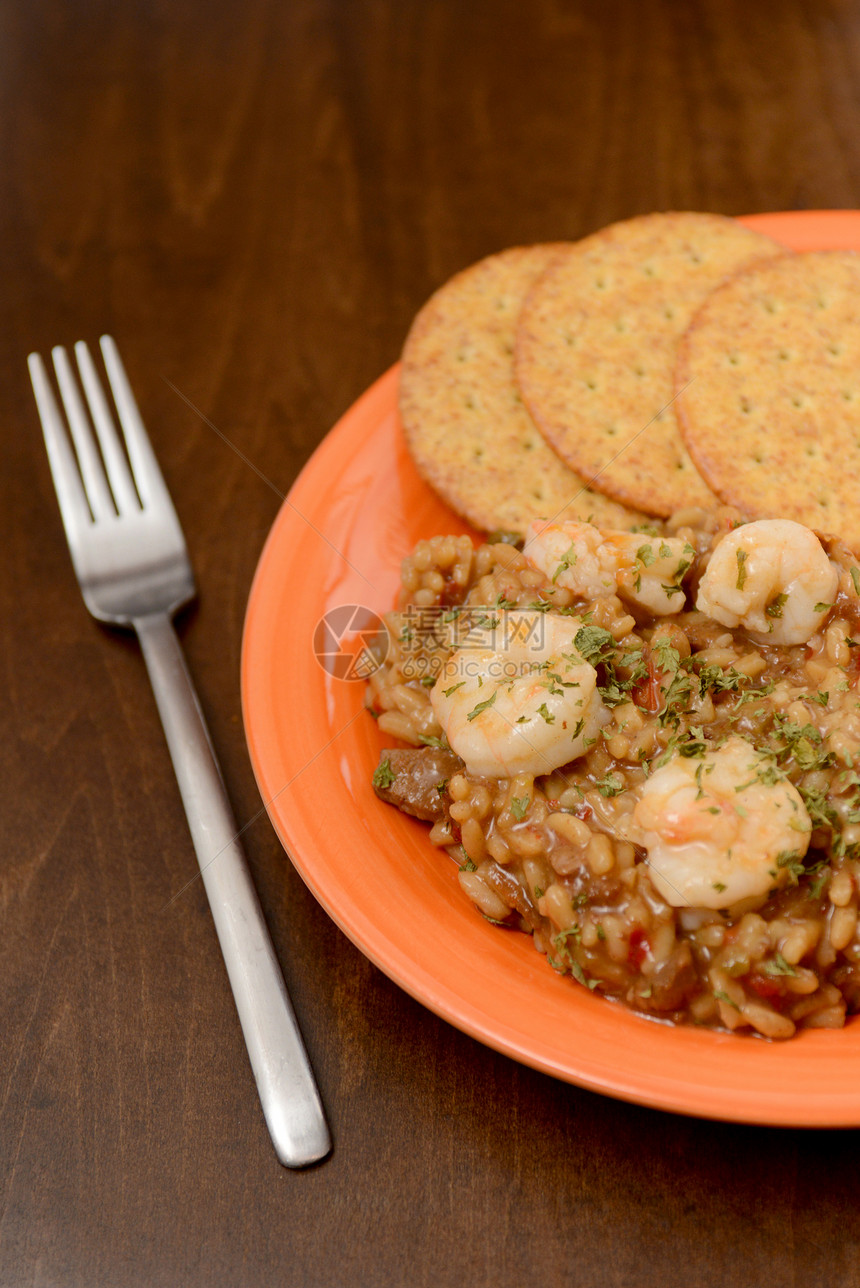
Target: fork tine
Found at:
x=64, y=468
x=147, y=475
x=116, y=465
x=92, y=470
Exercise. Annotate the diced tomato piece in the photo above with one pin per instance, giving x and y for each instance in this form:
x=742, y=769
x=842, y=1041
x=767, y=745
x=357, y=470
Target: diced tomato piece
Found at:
x=583, y=811
x=766, y=986
x=648, y=693
x=638, y=948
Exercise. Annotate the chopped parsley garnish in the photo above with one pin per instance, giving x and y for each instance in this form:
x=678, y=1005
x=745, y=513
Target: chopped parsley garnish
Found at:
x=724, y=997
x=779, y=966
x=816, y=887
x=855, y=577
x=668, y=657
x=775, y=607
x=790, y=860
x=555, y=678
x=741, y=556
x=572, y=932
x=579, y=974
x=685, y=563
x=505, y=537
x=620, y=670
x=693, y=744
x=384, y=775
x=610, y=785
x=520, y=807
x=482, y=706
x=594, y=643
x=689, y=744
x=751, y=695
x=547, y=715
x=819, y=809
x=568, y=559
x=802, y=742
x=441, y=744
x=453, y=688
x=715, y=679
x=677, y=695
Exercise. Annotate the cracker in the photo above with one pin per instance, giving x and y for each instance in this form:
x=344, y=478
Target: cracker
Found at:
x=596, y=349
x=468, y=432
x=771, y=413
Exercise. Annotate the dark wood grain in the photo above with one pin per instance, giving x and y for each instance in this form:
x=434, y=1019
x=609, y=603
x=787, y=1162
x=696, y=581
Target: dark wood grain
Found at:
x=254, y=198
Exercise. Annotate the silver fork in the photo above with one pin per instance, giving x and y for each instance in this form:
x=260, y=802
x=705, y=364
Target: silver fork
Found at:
x=130, y=558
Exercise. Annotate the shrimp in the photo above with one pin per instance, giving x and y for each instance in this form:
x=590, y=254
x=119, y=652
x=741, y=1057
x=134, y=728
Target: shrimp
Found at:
x=771, y=577
x=519, y=699
x=720, y=828
x=590, y=562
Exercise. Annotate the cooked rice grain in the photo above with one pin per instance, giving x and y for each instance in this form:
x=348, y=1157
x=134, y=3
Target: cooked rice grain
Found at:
x=563, y=866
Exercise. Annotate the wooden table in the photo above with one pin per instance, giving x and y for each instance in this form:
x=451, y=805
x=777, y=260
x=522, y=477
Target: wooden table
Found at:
x=254, y=198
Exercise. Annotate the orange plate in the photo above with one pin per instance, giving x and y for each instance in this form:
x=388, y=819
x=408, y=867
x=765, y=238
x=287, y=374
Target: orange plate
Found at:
x=356, y=510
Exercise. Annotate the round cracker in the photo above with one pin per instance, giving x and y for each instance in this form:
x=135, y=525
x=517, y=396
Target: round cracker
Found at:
x=466, y=427
x=771, y=407
x=596, y=349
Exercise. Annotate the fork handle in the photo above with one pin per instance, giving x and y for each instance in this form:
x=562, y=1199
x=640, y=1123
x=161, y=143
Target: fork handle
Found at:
x=285, y=1081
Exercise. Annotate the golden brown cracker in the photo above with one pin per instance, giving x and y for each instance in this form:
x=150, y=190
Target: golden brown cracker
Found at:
x=596, y=342
x=469, y=434
x=769, y=373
